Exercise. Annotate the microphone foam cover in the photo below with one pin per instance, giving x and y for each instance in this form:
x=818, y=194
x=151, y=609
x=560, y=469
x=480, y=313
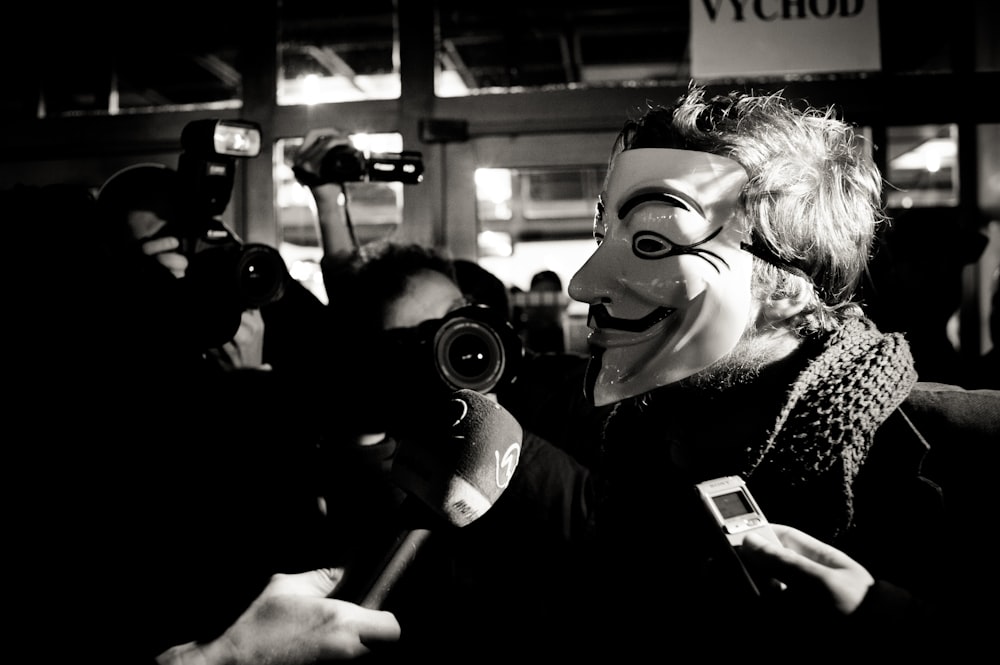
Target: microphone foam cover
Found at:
x=466, y=460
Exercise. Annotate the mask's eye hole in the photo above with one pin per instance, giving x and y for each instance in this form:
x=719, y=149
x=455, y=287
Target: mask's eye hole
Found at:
x=599, y=229
x=649, y=245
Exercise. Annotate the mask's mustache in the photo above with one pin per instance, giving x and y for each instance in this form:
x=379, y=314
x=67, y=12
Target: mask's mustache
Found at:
x=600, y=318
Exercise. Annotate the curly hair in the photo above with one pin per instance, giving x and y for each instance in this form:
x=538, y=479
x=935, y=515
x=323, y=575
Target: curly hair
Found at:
x=813, y=200
x=380, y=272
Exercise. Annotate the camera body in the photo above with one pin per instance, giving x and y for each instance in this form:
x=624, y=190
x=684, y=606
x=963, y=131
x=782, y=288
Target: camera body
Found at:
x=343, y=162
x=236, y=275
x=472, y=347
x=240, y=275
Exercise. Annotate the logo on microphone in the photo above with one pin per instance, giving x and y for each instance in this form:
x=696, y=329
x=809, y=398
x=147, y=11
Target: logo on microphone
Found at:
x=507, y=464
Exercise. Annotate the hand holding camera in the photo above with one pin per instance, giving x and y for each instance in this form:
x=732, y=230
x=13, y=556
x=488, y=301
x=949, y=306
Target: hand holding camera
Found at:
x=308, y=164
x=167, y=251
x=327, y=156
x=173, y=217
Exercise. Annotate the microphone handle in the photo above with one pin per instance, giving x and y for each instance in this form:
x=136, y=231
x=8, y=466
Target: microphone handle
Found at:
x=403, y=552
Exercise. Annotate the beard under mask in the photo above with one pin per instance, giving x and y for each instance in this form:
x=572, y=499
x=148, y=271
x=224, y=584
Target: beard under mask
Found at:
x=741, y=366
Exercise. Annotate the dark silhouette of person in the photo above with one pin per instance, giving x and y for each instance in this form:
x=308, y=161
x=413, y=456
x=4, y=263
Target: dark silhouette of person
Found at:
x=916, y=286
x=543, y=316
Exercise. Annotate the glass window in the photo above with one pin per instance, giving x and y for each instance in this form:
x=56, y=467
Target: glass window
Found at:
x=337, y=52
x=499, y=48
x=538, y=219
x=522, y=205
x=922, y=166
x=73, y=86
x=164, y=80
x=185, y=57
x=191, y=54
x=915, y=40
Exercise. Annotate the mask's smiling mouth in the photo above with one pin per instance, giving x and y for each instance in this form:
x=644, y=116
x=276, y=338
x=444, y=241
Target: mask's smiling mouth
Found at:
x=610, y=331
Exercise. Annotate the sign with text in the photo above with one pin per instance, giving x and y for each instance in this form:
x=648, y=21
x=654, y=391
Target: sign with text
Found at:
x=763, y=37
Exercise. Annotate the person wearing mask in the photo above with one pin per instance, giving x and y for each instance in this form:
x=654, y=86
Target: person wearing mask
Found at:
x=732, y=233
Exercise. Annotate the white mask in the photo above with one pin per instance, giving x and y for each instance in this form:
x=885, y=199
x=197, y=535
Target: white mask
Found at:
x=668, y=286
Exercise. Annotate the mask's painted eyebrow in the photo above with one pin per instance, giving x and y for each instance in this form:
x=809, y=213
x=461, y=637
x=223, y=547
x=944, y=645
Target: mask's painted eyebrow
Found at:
x=675, y=199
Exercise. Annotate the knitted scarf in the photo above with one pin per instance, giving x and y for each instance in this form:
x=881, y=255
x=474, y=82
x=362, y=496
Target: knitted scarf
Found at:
x=825, y=429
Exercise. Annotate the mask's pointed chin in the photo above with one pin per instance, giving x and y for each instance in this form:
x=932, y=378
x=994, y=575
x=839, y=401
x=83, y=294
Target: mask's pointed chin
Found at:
x=704, y=330
x=607, y=390
x=605, y=385
x=590, y=379
x=623, y=372
x=603, y=398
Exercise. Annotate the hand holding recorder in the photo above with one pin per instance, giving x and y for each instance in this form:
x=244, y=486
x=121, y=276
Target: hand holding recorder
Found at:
x=788, y=556
x=810, y=566
x=729, y=501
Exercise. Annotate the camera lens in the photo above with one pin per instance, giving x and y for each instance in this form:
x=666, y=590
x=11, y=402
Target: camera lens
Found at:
x=469, y=355
x=261, y=274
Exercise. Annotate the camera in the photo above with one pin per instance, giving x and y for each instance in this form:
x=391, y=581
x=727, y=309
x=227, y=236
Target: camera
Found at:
x=344, y=163
x=235, y=275
x=224, y=276
x=242, y=275
x=472, y=347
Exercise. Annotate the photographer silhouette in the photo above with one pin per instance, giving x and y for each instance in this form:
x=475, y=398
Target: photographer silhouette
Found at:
x=160, y=221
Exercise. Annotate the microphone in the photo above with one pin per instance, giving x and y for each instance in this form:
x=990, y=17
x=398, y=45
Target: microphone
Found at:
x=457, y=470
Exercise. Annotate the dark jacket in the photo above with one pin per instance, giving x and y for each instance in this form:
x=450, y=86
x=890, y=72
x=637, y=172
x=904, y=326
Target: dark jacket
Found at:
x=642, y=569
x=920, y=496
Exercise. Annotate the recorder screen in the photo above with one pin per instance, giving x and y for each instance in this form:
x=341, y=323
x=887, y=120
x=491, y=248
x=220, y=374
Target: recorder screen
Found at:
x=732, y=504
